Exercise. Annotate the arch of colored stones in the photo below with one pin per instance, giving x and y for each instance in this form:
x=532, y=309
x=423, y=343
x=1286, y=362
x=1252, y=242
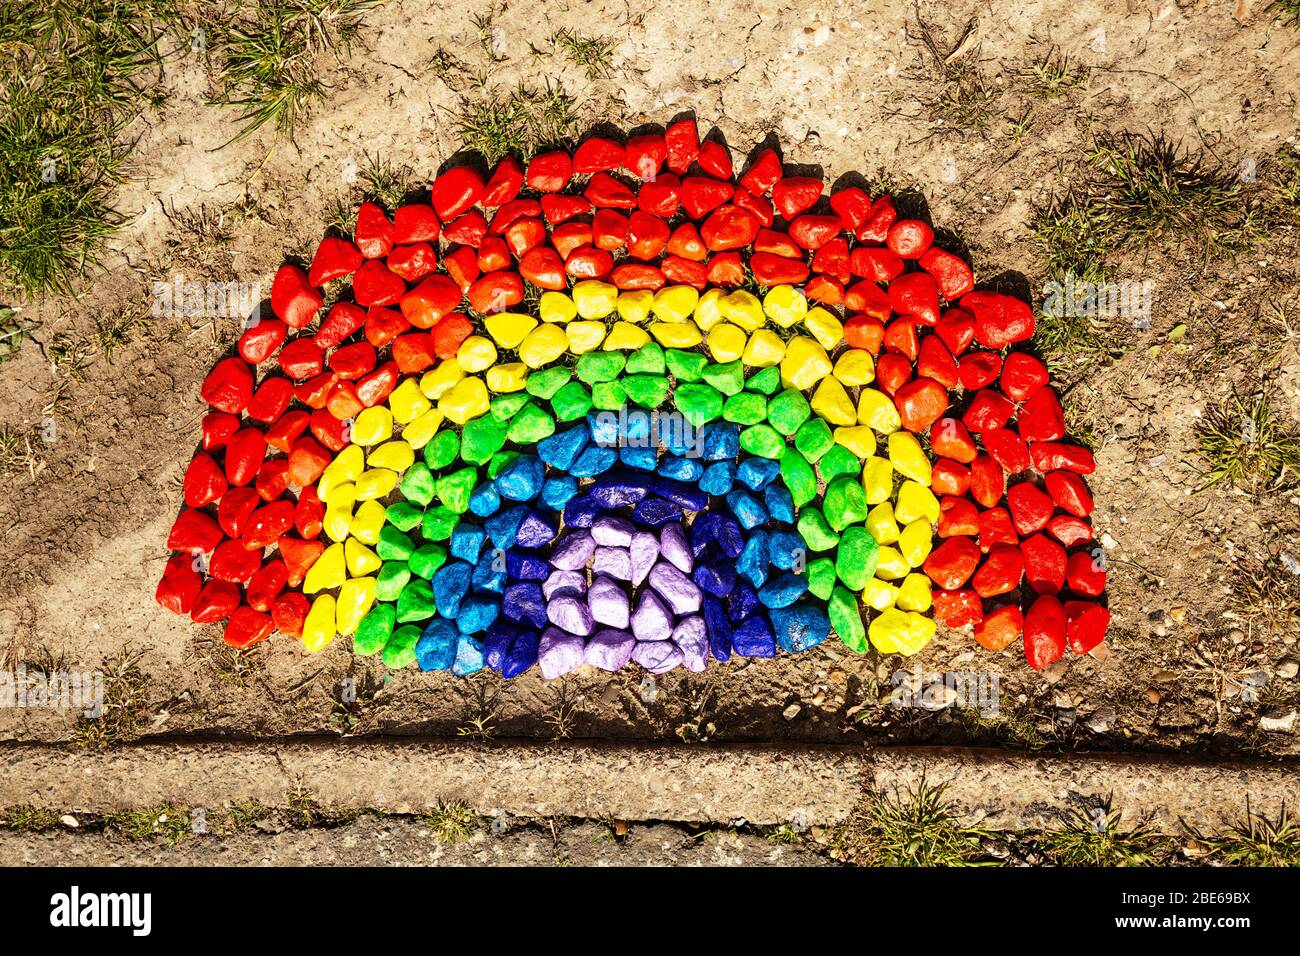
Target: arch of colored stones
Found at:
x=621, y=405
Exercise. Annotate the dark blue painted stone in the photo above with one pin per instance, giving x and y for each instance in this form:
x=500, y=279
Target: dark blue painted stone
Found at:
x=753, y=638
x=497, y=641
x=619, y=490
x=717, y=577
x=680, y=494
x=535, y=530
x=581, y=511
x=717, y=627
x=524, y=602
x=527, y=567
x=656, y=512
x=742, y=602
x=522, y=654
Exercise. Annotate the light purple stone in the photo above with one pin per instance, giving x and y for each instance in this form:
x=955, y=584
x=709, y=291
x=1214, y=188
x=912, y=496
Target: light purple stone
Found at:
x=573, y=552
x=645, y=552
x=558, y=653
x=672, y=542
x=692, y=638
x=612, y=530
x=681, y=593
x=615, y=562
x=609, y=649
x=651, y=620
x=657, y=656
x=608, y=602
x=571, y=613
x=564, y=581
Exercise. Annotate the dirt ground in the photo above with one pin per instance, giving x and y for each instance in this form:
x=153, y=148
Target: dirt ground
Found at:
x=844, y=87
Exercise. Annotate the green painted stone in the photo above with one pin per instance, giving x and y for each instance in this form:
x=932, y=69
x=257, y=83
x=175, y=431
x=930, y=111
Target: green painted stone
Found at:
x=764, y=441
x=855, y=560
x=821, y=577
x=648, y=360
x=415, y=603
x=765, y=382
x=374, y=630
x=400, y=650
x=571, y=402
x=798, y=477
x=698, y=403
x=648, y=391
x=455, y=488
x=839, y=461
x=788, y=411
x=442, y=450
x=846, y=617
x=481, y=438
x=747, y=408
x=403, y=515
x=728, y=378
x=546, y=383
x=814, y=439
x=393, y=544
x=426, y=559
x=844, y=503
x=505, y=407
x=416, y=485
x=608, y=396
x=438, y=524
x=686, y=366
x=530, y=425
x=499, y=461
x=392, y=577
x=815, y=531
x=596, y=367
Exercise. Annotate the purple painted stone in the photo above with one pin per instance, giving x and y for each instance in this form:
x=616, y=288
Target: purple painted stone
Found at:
x=574, y=581
x=570, y=612
x=559, y=653
x=645, y=552
x=612, y=531
x=657, y=656
x=609, y=649
x=573, y=552
x=681, y=593
x=609, y=603
x=616, y=562
x=672, y=542
x=691, y=636
x=651, y=621
x=534, y=531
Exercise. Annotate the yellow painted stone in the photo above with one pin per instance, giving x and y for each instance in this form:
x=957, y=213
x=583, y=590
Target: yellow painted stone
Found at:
x=859, y=439
x=624, y=336
x=595, y=299
x=877, y=480
x=915, y=501
x=914, y=593
x=318, y=629
x=441, y=379
x=372, y=425
x=556, y=307
x=355, y=598
x=825, y=328
x=708, y=311
x=914, y=542
x=543, y=345
x=881, y=523
x=908, y=458
x=785, y=305
x=342, y=495
x=855, y=367
x=635, y=306
x=407, y=401
x=507, y=378
x=900, y=632
x=879, y=594
x=764, y=350
x=877, y=409
x=805, y=363
x=367, y=522
x=726, y=342
x=422, y=428
x=467, y=399
x=508, y=329
x=329, y=571
x=675, y=303
x=890, y=564
x=676, y=335
x=347, y=466
x=375, y=483
x=476, y=353
x=396, y=455
x=744, y=309
x=584, y=336
x=361, y=560
x=833, y=404
x=337, y=522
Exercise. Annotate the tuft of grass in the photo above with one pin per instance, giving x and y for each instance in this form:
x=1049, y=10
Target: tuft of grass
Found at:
x=240, y=817
x=384, y=183
x=1286, y=10
x=966, y=102
x=30, y=819
x=1055, y=75
x=1256, y=841
x=1018, y=127
x=167, y=822
x=452, y=822
x=19, y=452
x=14, y=330
x=489, y=37
x=913, y=829
x=517, y=122
x=590, y=53
x=1267, y=592
x=1244, y=444
x=1096, y=839
x=124, y=704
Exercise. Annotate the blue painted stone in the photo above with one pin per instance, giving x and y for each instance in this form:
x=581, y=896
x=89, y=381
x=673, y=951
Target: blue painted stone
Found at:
x=718, y=478
x=680, y=469
x=785, y=548
x=436, y=648
x=679, y=436
x=721, y=441
x=535, y=530
x=779, y=503
x=681, y=494
x=746, y=508
x=497, y=641
x=727, y=533
x=754, y=638
x=527, y=567
x=636, y=427
x=594, y=461
x=450, y=585
x=522, y=654
x=469, y=657
x=503, y=527
x=642, y=459
x=754, y=561
x=800, y=627
x=718, y=628
x=742, y=602
x=524, y=601
x=477, y=612
x=562, y=449
x=581, y=511
x=558, y=490
x=521, y=480
x=716, y=577
x=467, y=541
x=619, y=490
x=605, y=428
x=490, y=572
x=757, y=473
x=656, y=512
x=783, y=590
x=485, y=500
